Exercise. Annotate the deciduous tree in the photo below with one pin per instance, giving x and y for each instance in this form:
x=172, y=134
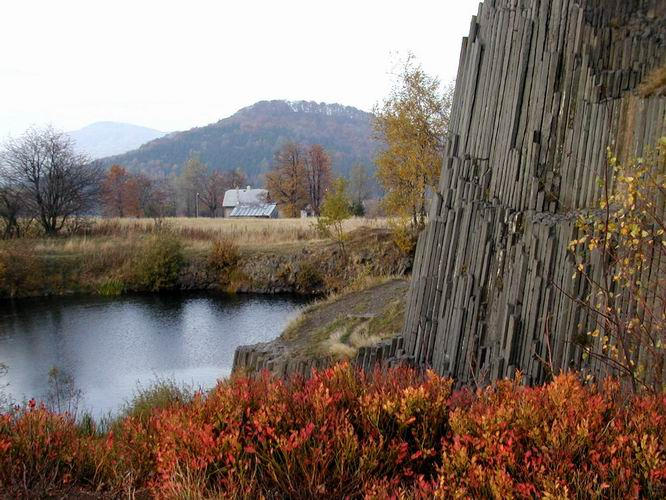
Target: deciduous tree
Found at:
x=190, y=182
x=286, y=182
x=57, y=182
x=318, y=171
x=236, y=178
x=159, y=199
x=620, y=253
x=143, y=190
x=116, y=192
x=335, y=209
x=212, y=195
x=412, y=123
x=359, y=187
x=11, y=209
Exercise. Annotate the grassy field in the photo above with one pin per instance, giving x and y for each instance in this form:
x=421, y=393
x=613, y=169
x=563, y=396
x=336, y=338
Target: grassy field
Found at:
x=244, y=232
x=113, y=235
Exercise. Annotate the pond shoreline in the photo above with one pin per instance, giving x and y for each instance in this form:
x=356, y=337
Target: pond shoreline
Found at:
x=311, y=268
x=108, y=344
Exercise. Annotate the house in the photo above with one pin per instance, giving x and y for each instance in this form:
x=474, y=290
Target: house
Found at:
x=258, y=210
x=247, y=196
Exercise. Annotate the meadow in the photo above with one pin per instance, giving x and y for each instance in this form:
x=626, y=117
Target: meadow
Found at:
x=244, y=232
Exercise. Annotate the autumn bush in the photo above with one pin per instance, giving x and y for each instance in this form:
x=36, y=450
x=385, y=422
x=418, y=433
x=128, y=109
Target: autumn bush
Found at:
x=223, y=258
x=309, y=276
x=397, y=433
x=21, y=270
x=160, y=260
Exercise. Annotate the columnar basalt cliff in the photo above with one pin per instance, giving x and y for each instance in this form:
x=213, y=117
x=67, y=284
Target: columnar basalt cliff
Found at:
x=544, y=87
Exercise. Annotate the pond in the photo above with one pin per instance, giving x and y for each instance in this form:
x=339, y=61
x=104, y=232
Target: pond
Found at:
x=109, y=345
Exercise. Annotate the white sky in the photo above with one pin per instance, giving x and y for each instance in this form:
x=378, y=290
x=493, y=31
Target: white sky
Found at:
x=173, y=65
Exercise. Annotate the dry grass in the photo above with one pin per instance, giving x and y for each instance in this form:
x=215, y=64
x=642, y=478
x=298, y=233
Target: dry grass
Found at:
x=82, y=245
x=366, y=282
x=244, y=232
x=351, y=333
x=654, y=83
x=338, y=325
x=114, y=235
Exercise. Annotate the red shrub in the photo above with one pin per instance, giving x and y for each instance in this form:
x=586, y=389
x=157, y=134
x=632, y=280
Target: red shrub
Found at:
x=41, y=452
x=389, y=434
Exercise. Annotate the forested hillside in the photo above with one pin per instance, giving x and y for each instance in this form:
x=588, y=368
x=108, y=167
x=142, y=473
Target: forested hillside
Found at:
x=249, y=139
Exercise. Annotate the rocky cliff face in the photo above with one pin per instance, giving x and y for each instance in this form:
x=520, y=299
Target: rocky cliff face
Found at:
x=544, y=87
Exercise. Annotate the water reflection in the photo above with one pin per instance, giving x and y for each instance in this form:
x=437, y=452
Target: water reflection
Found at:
x=110, y=344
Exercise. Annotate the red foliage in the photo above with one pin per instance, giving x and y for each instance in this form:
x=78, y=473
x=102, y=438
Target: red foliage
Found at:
x=341, y=433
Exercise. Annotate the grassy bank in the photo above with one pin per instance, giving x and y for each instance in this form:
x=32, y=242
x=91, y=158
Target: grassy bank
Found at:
x=111, y=256
x=397, y=433
x=366, y=312
x=369, y=310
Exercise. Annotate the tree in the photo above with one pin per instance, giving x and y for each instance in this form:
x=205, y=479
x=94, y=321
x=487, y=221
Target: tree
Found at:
x=236, y=178
x=116, y=191
x=57, y=182
x=158, y=198
x=11, y=209
x=359, y=188
x=212, y=195
x=335, y=209
x=190, y=182
x=318, y=171
x=286, y=181
x=412, y=123
x=143, y=191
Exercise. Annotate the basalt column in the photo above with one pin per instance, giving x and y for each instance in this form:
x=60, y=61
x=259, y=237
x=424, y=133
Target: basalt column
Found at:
x=544, y=87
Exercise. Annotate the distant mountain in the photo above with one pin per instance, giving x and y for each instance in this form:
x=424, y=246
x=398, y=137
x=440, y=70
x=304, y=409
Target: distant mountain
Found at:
x=250, y=137
x=102, y=139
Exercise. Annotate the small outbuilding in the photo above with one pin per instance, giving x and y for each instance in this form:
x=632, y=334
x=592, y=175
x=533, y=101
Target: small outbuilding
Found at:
x=248, y=196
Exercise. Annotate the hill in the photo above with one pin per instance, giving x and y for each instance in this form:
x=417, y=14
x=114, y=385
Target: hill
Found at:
x=102, y=139
x=250, y=137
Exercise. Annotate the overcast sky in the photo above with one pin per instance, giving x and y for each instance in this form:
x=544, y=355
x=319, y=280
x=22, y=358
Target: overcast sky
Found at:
x=173, y=65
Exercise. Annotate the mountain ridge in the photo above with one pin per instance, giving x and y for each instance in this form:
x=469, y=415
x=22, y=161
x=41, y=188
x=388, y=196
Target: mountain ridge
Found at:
x=249, y=138
x=106, y=138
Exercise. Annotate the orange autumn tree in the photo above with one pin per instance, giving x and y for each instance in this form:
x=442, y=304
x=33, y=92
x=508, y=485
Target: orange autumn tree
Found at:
x=286, y=182
x=119, y=193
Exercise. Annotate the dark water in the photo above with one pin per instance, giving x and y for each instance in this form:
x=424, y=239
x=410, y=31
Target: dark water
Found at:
x=110, y=344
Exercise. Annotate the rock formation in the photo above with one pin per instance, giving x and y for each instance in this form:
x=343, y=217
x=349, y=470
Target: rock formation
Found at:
x=544, y=87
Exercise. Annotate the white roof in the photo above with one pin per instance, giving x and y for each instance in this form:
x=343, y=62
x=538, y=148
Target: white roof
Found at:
x=247, y=196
